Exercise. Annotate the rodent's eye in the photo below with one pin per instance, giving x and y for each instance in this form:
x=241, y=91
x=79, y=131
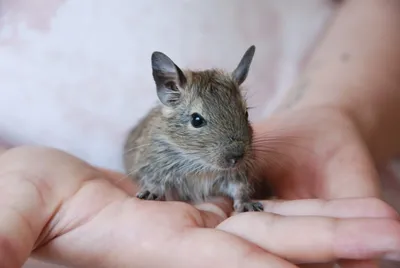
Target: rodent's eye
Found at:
x=247, y=114
x=197, y=120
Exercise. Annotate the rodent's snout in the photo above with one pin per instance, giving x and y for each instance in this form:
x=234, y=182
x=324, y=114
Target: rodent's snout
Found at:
x=233, y=158
x=234, y=155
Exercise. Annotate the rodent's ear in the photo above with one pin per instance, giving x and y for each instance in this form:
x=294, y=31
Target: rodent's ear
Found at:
x=241, y=71
x=168, y=77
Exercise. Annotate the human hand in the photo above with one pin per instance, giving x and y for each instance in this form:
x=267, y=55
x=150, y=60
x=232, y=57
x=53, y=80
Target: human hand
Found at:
x=73, y=214
x=339, y=121
x=314, y=153
x=61, y=209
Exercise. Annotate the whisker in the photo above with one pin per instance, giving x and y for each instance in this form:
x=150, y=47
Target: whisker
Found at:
x=270, y=162
x=127, y=176
x=271, y=141
x=272, y=156
x=279, y=144
x=137, y=147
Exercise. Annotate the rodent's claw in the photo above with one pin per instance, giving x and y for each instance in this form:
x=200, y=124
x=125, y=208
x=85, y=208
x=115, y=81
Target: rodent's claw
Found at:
x=249, y=206
x=147, y=195
x=258, y=206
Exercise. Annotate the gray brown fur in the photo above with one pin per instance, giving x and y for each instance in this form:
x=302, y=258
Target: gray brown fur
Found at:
x=171, y=159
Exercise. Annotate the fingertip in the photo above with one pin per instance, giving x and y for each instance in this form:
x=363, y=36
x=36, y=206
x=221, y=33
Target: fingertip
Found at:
x=239, y=223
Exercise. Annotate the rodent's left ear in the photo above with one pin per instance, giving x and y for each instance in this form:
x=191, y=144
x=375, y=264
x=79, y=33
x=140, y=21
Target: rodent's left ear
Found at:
x=241, y=71
x=168, y=77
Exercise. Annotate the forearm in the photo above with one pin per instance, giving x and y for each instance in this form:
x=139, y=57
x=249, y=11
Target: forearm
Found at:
x=356, y=68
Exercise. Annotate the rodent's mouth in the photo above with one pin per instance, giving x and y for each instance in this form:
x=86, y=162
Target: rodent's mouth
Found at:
x=231, y=163
x=231, y=166
x=220, y=167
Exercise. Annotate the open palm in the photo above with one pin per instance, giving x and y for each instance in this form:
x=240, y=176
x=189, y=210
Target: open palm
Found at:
x=74, y=214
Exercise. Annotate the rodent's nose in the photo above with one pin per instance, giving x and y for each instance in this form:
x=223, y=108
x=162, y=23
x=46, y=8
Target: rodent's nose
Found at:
x=233, y=158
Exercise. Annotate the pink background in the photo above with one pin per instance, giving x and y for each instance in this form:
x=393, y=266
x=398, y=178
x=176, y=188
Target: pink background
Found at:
x=76, y=74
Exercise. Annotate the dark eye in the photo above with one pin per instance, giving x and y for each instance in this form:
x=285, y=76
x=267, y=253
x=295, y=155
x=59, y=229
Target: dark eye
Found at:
x=197, y=120
x=247, y=114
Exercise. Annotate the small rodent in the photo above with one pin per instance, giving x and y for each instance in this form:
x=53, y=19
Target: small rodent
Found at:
x=197, y=142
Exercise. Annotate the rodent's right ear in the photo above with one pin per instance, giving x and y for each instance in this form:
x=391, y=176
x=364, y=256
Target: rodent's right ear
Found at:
x=241, y=71
x=168, y=77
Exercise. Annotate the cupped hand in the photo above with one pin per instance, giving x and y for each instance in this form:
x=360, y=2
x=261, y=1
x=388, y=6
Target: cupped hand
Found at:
x=314, y=153
x=319, y=152
x=58, y=208
x=73, y=214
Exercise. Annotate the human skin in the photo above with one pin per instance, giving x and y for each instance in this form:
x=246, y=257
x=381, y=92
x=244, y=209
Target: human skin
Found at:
x=341, y=118
x=340, y=122
x=58, y=208
x=326, y=144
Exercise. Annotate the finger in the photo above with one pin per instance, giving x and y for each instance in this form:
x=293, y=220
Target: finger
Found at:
x=215, y=211
x=314, y=239
x=340, y=208
x=343, y=264
x=357, y=264
x=159, y=243
x=318, y=265
x=211, y=248
x=212, y=212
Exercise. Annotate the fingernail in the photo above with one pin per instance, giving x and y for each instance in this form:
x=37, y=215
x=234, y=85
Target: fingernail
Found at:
x=220, y=206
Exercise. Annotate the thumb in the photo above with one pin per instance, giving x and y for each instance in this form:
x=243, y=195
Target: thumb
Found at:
x=352, y=167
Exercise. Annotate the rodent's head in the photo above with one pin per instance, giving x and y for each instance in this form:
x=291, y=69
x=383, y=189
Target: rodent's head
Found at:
x=205, y=113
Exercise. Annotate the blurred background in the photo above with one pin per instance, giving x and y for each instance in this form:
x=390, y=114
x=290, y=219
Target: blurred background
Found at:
x=76, y=74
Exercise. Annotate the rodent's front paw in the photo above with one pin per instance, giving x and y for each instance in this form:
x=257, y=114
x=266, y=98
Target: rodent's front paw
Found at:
x=147, y=195
x=248, y=206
